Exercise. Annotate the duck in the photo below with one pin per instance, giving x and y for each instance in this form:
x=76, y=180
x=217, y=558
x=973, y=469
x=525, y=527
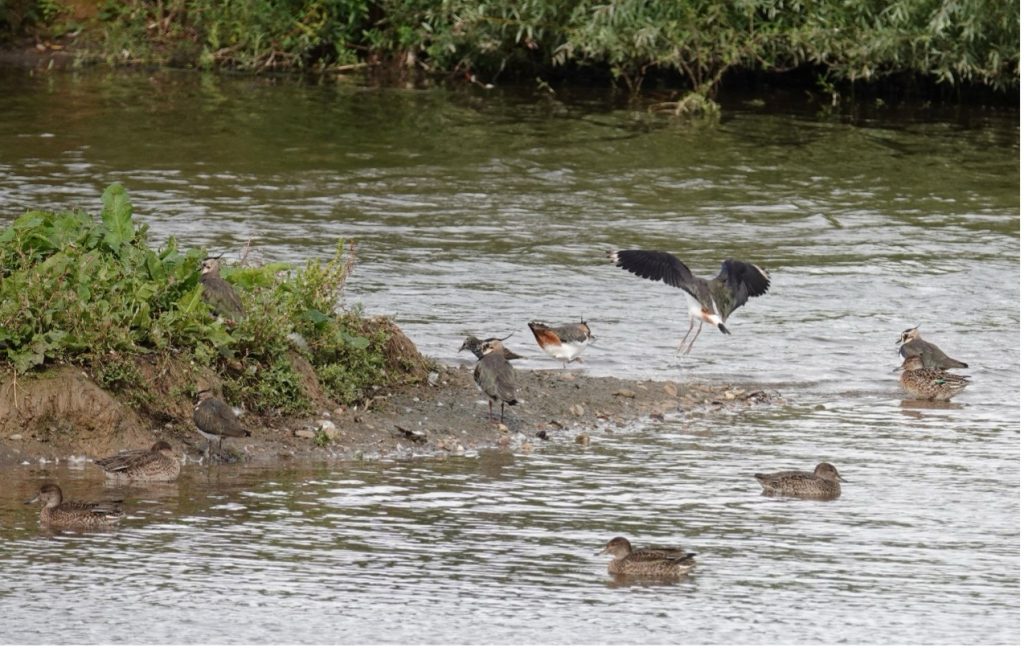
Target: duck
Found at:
x=929, y=384
x=158, y=463
x=565, y=342
x=496, y=378
x=823, y=483
x=656, y=562
x=932, y=357
x=84, y=516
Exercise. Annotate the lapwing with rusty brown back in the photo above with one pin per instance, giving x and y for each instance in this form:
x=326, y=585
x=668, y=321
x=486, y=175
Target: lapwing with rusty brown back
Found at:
x=75, y=516
x=650, y=562
x=912, y=344
x=215, y=420
x=156, y=463
x=709, y=300
x=565, y=343
x=475, y=346
x=218, y=293
x=496, y=378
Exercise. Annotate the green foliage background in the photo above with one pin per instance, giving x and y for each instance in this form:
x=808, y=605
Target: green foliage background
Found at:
x=88, y=291
x=946, y=41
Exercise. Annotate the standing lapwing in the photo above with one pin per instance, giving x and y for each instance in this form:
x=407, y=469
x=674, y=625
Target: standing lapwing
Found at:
x=215, y=420
x=496, y=378
x=157, y=463
x=475, y=346
x=709, y=300
x=218, y=293
x=564, y=343
x=912, y=344
x=929, y=384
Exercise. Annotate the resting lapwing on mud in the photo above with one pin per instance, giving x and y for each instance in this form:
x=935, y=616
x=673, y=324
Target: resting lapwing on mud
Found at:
x=496, y=378
x=475, y=346
x=218, y=293
x=913, y=345
x=215, y=420
x=709, y=300
x=564, y=343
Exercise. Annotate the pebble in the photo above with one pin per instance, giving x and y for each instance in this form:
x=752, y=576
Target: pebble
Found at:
x=15, y=437
x=577, y=410
x=671, y=389
x=625, y=393
x=305, y=434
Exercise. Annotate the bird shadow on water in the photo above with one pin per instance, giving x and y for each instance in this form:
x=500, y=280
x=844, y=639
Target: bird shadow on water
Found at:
x=645, y=582
x=912, y=408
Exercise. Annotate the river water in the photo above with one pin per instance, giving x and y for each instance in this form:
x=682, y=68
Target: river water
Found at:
x=477, y=212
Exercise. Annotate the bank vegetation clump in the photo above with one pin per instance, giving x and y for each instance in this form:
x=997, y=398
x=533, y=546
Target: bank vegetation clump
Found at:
x=699, y=42
x=93, y=293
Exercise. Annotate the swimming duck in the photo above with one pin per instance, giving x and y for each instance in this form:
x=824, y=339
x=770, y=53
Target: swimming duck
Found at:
x=930, y=384
x=56, y=513
x=158, y=463
x=823, y=483
x=657, y=562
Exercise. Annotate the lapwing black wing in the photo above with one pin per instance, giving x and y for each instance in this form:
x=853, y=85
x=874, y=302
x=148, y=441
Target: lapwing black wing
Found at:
x=218, y=293
x=913, y=345
x=215, y=420
x=709, y=300
x=496, y=378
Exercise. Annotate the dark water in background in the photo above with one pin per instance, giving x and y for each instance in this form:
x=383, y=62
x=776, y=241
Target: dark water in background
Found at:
x=477, y=212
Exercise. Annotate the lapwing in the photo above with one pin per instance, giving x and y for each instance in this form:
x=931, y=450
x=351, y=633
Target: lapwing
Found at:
x=912, y=344
x=475, y=346
x=709, y=300
x=652, y=562
x=59, y=514
x=565, y=343
x=823, y=483
x=215, y=420
x=157, y=463
x=218, y=293
x=930, y=384
x=496, y=378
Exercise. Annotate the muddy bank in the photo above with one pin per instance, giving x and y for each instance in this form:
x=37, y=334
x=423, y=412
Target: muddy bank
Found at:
x=63, y=414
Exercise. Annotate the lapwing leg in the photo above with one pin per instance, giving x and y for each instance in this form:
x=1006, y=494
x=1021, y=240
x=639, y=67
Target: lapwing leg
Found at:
x=683, y=341
x=699, y=327
x=502, y=419
x=490, y=409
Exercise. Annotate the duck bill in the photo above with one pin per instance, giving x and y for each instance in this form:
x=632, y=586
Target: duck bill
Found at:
x=31, y=501
x=721, y=327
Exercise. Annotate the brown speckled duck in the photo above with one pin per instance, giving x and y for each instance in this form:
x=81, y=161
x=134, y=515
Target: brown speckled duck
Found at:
x=930, y=384
x=158, y=463
x=823, y=483
x=651, y=562
x=80, y=516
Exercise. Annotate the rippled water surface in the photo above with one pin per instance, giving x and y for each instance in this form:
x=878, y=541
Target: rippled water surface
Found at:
x=477, y=212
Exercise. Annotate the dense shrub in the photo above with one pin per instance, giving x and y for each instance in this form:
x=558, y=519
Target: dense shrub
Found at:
x=947, y=41
x=92, y=292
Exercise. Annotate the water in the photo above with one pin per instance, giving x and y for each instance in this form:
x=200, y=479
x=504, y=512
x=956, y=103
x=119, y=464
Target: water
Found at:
x=477, y=212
